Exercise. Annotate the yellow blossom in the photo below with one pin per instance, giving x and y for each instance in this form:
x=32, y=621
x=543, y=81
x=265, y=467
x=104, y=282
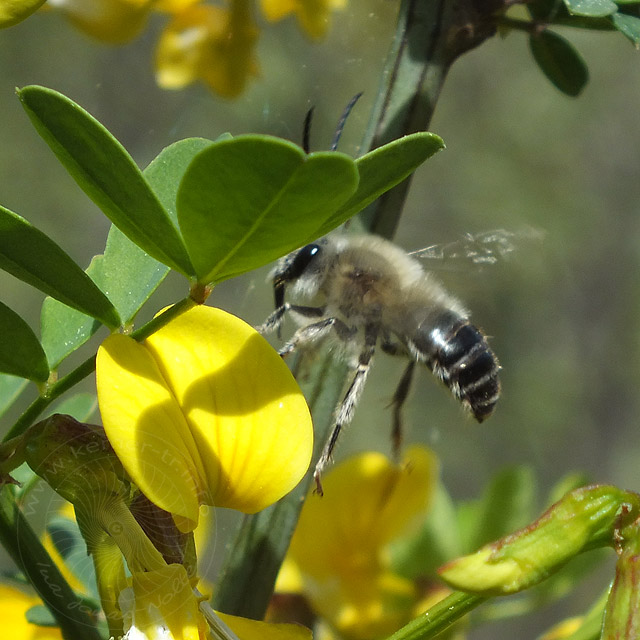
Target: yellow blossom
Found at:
x=564, y=629
x=14, y=11
x=161, y=605
x=253, y=629
x=209, y=43
x=345, y=572
x=14, y=605
x=204, y=412
x=112, y=21
x=313, y=15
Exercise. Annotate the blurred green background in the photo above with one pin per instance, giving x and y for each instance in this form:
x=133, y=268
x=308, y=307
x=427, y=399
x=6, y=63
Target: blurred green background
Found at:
x=564, y=319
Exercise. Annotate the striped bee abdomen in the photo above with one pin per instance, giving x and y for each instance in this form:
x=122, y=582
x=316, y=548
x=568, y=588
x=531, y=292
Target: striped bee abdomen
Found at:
x=458, y=354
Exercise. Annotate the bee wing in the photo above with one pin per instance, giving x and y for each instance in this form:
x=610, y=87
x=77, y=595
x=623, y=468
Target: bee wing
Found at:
x=480, y=250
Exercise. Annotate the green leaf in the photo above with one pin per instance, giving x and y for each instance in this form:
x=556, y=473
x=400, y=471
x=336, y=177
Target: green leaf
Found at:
x=592, y=8
x=68, y=542
x=128, y=273
x=40, y=616
x=437, y=541
x=247, y=201
x=63, y=329
x=106, y=172
x=167, y=169
x=382, y=169
x=506, y=505
x=34, y=258
x=628, y=25
x=10, y=389
x=20, y=352
x=559, y=61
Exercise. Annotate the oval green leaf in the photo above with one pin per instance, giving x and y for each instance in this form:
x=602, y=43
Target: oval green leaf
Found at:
x=128, y=273
x=559, y=61
x=31, y=256
x=380, y=170
x=627, y=25
x=246, y=201
x=106, y=173
x=591, y=8
x=20, y=351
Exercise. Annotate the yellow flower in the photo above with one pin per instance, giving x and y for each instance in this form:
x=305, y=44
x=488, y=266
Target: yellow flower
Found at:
x=253, y=629
x=345, y=572
x=209, y=43
x=112, y=21
x=161, y=605
x=68, y=574
x=564, y=629
x=14, y=11
x=204, y=412
x=313, y=15
x=14, y=605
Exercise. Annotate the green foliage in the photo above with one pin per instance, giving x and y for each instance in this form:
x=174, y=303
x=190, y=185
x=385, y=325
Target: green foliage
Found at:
x=255, y=198
x=241, y=202
x=33, y=257
x=559, y=61
x=211, y=210
x=106, y=173
x=554, y=54
x=20, y=352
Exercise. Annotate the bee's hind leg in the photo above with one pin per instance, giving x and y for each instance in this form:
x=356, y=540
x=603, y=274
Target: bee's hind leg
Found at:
x=397, y=402
x=349, y=402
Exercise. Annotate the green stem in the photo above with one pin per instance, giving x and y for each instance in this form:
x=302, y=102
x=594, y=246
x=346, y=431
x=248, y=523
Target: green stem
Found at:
x=411, y=82
x=26, y=550
x=439, y=617
x=429, y=37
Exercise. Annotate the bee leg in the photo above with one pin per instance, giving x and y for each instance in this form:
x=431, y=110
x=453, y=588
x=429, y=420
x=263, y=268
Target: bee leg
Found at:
x=311, y=331
x=348, y=404
x=274, y=321
x=399, y=397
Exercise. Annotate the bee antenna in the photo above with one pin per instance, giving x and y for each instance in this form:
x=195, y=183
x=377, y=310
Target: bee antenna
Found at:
x=343, y=119
x=306, y=130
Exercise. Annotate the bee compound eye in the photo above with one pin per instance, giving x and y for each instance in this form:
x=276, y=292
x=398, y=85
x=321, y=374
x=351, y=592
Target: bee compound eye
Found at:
x=293, y=270
x=302, y=260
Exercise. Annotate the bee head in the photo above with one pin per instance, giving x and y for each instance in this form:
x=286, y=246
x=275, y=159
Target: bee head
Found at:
x=291, y=269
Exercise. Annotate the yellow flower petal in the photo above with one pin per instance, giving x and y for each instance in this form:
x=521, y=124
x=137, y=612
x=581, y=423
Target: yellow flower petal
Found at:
x=112, y=21
x=204, y=411
x=564, y=629
x=161, y=605
x=173, y=6
x=368, y=501
x=66, y=512
x=14, y=11
x=314, y=16
x=344, y=571
x=14, y=605
x=208, y=43
x=146, y=427
x=256, y=630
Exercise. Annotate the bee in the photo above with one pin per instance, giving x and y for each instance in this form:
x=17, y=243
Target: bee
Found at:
x=365, y=293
